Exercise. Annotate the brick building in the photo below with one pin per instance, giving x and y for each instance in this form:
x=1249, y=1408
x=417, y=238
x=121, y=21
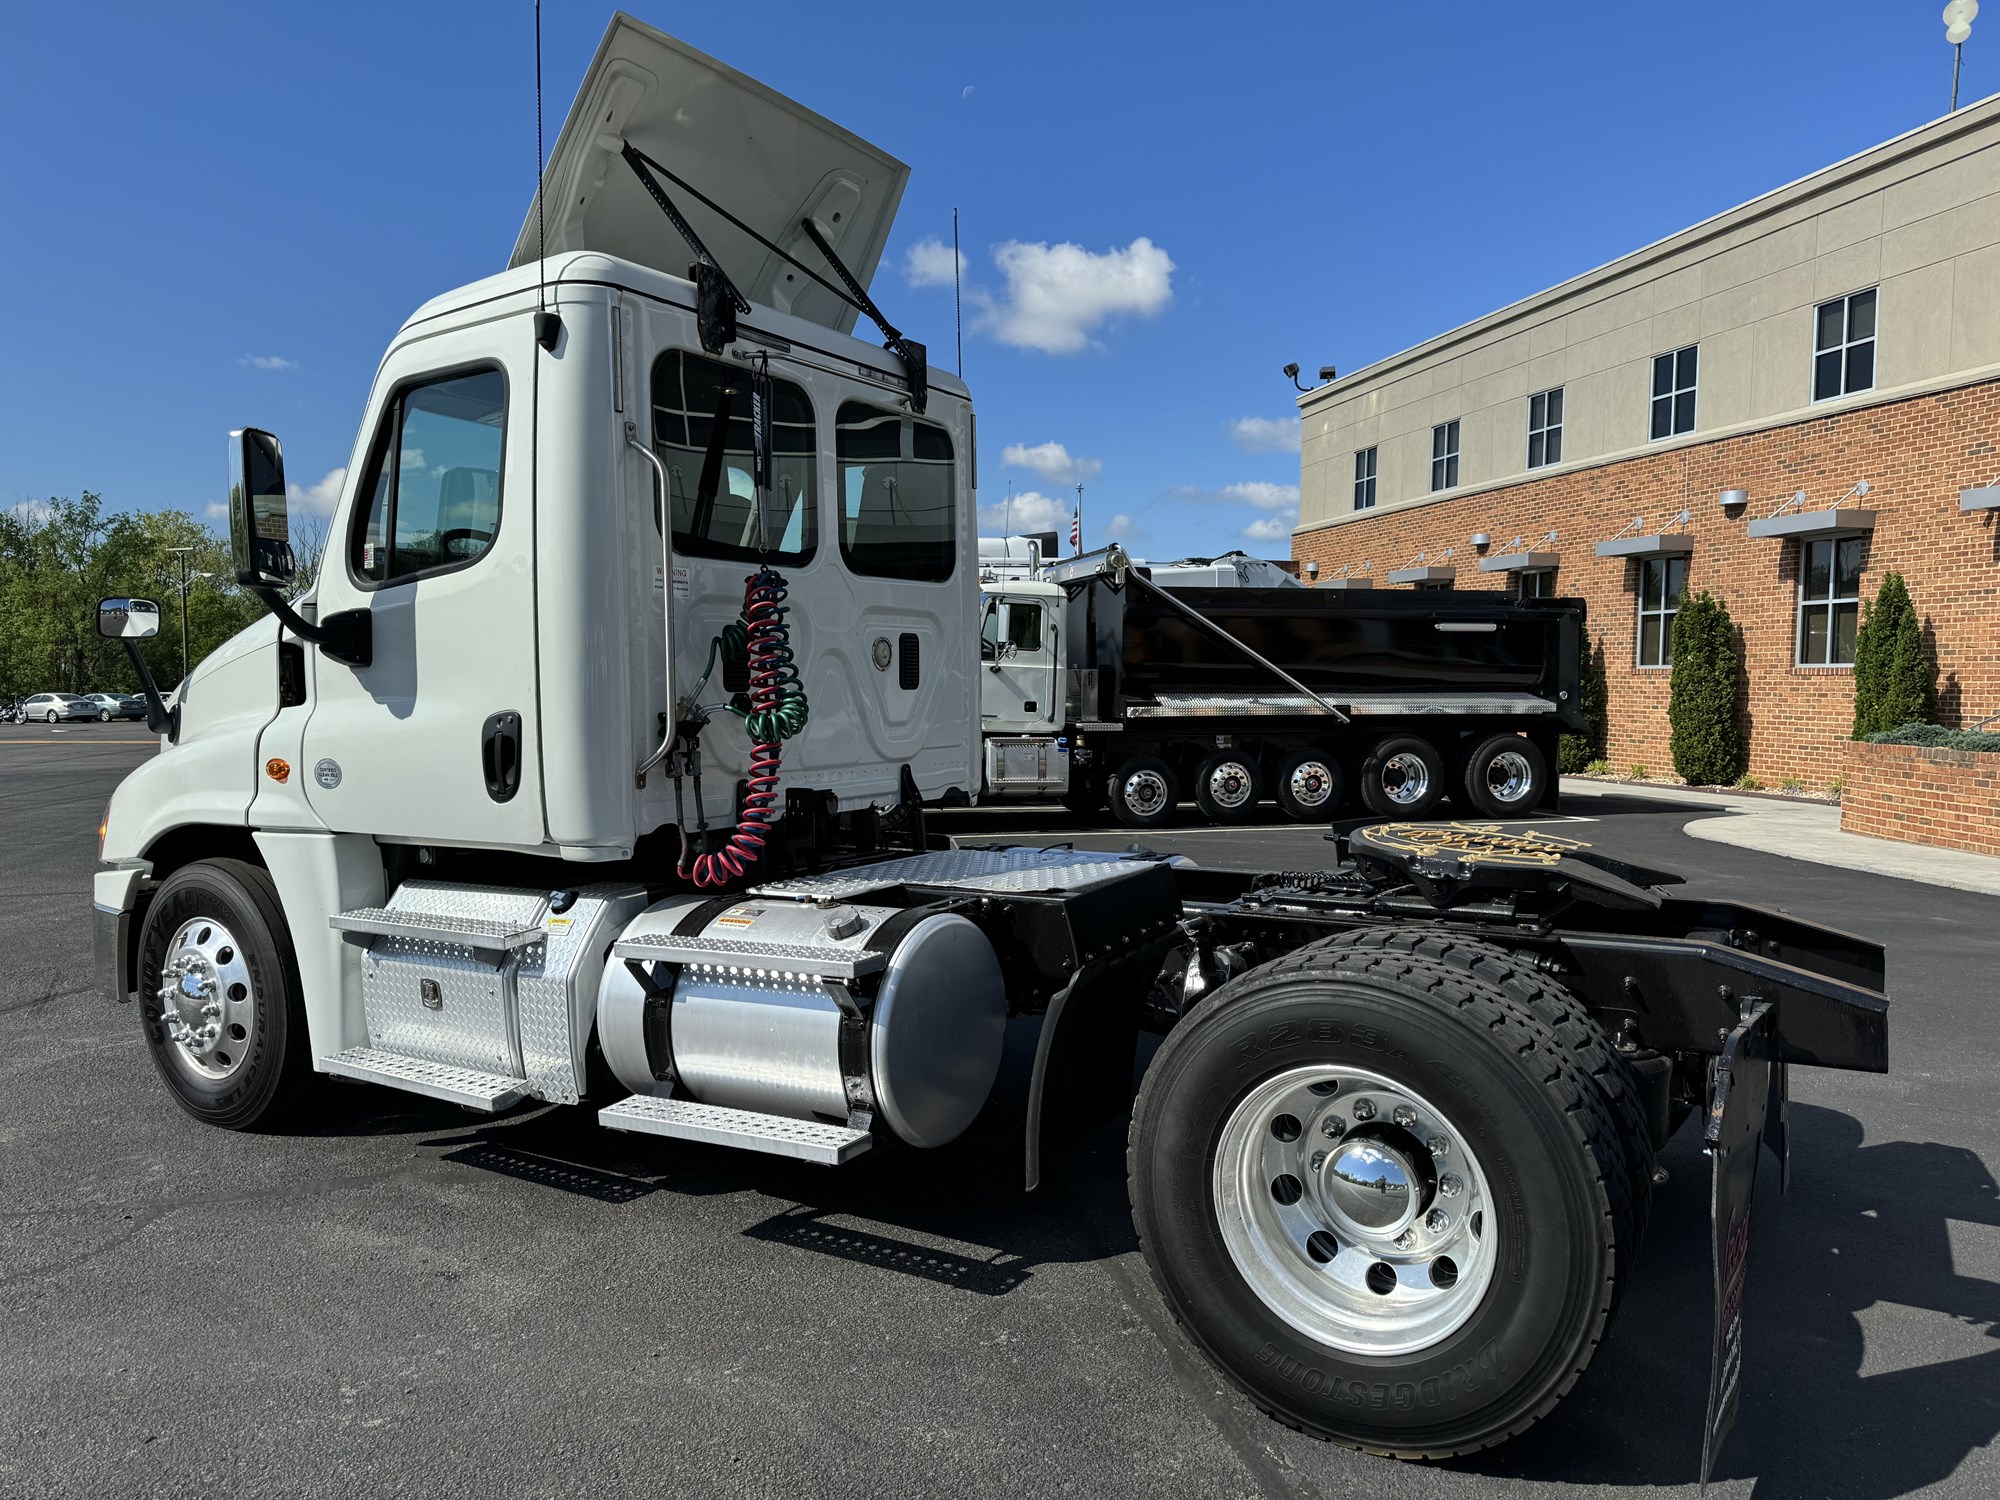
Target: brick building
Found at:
x=1778, y=405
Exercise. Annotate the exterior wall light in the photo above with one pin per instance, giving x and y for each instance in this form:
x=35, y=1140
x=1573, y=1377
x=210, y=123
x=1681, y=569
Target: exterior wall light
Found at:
x=1482, y=539
x=1730, y=499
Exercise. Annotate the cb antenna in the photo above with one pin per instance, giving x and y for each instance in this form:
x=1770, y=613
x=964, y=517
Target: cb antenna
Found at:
x=548, y=326
x=957, y=322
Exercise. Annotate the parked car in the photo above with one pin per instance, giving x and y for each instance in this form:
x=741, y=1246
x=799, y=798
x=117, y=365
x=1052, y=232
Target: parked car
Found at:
x=116, y=706
x=50, y=708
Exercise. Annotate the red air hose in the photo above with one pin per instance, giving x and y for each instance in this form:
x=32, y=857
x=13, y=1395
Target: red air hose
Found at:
x=777, y=712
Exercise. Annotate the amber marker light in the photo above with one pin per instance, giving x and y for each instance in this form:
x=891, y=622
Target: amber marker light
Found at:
x=278, y=770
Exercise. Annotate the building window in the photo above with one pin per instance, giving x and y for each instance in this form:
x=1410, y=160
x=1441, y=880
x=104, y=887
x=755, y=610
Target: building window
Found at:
x=1844, y=346
x=1545, y=428
x=1662, y=581
x=1444, y=455
x=1829, y=601
x=1673, y=392
x=1364, y=479
x=1535, y=583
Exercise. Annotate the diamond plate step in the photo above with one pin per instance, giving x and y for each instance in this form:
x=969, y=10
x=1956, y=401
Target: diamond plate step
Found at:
x=821, y=960
x=434, y=927
x=416, y=1075
x=805, y=1140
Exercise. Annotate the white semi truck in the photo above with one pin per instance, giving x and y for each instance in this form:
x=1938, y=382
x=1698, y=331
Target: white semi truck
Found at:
x=594, y=771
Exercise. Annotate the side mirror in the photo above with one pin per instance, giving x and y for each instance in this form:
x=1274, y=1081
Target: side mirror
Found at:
x=260, y=529
x=128, y=619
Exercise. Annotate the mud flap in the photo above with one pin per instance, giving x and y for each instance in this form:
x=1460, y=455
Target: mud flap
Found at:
x=1747, y=1106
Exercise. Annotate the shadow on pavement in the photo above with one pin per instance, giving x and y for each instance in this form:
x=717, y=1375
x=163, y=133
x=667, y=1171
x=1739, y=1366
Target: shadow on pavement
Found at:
x=1827, y=1409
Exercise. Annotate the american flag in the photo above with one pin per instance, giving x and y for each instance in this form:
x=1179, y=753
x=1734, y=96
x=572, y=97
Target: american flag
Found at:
x=1076, y=529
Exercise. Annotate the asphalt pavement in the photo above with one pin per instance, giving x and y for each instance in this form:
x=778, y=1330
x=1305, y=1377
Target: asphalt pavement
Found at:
x=403, y=1299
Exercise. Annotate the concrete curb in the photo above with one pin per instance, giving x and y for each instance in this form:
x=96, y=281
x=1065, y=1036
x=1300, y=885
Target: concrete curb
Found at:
x=1807, y=831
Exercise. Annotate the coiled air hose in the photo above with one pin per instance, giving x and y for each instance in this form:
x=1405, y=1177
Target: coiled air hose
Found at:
x=778, y=710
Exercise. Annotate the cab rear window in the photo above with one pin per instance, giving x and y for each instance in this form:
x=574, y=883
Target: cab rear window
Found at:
x=898, y=512
x=688, y=399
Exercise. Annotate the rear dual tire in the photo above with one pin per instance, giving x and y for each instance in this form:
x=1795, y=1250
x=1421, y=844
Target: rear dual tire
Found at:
x=1484, y=1079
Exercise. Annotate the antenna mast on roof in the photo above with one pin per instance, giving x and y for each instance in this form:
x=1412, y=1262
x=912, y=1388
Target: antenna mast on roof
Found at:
x=957, y=320
x=548, y=326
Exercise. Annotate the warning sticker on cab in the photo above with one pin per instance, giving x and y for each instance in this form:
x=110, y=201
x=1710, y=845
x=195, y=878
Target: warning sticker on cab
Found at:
x=740, y=916
x=557, y=925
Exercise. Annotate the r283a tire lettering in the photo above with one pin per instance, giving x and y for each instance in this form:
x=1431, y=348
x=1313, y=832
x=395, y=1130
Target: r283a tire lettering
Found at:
x=1402, y=1395
x=1290, y=1033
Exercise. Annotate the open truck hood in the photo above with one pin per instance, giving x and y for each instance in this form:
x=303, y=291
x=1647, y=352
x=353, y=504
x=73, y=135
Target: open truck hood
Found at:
x=769, y=160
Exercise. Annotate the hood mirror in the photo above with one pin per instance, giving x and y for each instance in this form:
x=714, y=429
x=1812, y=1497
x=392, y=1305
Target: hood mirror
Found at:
x=260, y=529
x=128, y=619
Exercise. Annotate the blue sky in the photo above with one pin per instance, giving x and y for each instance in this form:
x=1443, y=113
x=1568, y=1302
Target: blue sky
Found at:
x=218, y=214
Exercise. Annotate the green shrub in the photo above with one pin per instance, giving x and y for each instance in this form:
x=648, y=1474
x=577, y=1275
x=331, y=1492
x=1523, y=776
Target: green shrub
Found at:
x=1936, y=737
x=1702, y=693
x=1576, y=752
x=1792, y=784
x=1836, y=786
x=1637, y=773
x=1895, y=678
x=1598, y=768
x=1748, y=783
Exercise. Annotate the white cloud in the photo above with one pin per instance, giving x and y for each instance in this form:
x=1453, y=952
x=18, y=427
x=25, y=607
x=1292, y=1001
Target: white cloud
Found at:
x=219, y=511
x=1028, y=512
x=1058, y=295
x=34, y=512
x=1269, y=529
x=319, y=498
x=1052, y=461
x=930, y=263
x=1266, y=434
x=1262, y=494
x=266, y=362
x=1122, y=528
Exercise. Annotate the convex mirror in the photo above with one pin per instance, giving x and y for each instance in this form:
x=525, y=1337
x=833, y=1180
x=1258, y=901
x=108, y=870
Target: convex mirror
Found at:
x=260, y=529
x=128, y=619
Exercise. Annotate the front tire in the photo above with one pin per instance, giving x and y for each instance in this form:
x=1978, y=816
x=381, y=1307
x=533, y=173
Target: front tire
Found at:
x=1333, y=1309
x=219, y=993
x=1143, y=792
x=54, y=717
x=104, y=716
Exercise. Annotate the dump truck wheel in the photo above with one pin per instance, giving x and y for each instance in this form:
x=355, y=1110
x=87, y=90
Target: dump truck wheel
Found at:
x=1506, y=776
x=1403, y=777
x=1143, y=792
x=1383, y=1197
x=219, y=993
x=1228, y=788
x=1309, y=786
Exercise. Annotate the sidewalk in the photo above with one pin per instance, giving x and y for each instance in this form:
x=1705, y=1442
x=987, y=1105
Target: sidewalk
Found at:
x=1802, y=830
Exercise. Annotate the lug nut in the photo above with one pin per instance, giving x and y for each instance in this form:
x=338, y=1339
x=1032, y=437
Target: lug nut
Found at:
x=1333, y=1127
x=1437, y=1145
x=1318, y=1160
x=1405, y=1116
x=1436, y=1221
x=1364, y=1109
x=1406, y=1240
x=1450, y=1186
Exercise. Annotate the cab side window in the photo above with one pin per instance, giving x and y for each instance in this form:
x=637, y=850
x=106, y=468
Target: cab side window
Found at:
x=433, y=480
x=688, y=395
x=897, y=500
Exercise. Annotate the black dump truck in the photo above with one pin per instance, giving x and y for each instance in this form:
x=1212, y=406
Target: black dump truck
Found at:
x=1314, y=697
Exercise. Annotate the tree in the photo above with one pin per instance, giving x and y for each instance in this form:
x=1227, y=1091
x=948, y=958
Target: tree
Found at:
x=1895, y=680
x=1576, y=751
x=1707, y=735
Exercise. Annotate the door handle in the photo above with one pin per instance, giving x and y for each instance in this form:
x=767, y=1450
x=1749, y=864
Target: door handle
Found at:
x=500, y=754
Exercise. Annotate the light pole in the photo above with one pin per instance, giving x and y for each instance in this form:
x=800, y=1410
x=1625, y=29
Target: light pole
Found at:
x=1958, y=18
x=181, y=555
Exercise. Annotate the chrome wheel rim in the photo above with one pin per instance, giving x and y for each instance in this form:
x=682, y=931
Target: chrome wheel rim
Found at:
x=1145, y=792
x=1354, y=1210
x=1509, y=777
x=1406, y=780
x=1230, y=784
x=208, y=1005
x=1311, y=783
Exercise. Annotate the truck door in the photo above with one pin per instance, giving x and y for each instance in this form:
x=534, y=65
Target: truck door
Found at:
x=1020, y=678
x=436, y=738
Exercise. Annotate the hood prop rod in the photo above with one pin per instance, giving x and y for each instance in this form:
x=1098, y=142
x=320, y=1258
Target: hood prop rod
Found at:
x=717, y=302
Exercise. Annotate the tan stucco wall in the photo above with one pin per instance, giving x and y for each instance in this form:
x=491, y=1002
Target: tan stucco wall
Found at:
x=1918, y=217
